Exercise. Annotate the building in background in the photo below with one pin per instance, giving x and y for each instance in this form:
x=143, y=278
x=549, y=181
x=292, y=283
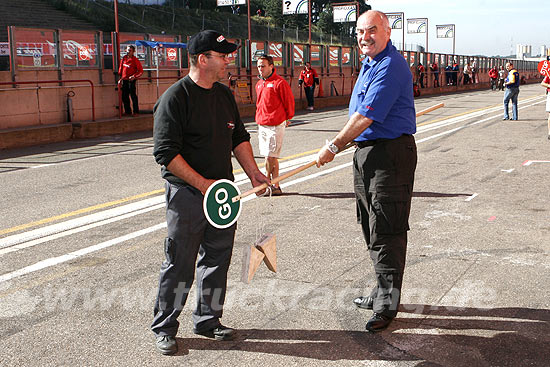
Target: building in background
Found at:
x=523, y=51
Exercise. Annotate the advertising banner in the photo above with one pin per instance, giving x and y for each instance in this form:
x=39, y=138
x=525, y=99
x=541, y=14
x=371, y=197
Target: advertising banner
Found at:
x=417, y=25
x=230, y=2
x=445, y=31
x=396, y=20
x=344, y=13
x=295, y=7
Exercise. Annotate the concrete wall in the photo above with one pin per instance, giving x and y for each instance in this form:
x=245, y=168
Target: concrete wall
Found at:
x=44, y=104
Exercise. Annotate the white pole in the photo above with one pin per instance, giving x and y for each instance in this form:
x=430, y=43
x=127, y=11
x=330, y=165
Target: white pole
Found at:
x=157, y=60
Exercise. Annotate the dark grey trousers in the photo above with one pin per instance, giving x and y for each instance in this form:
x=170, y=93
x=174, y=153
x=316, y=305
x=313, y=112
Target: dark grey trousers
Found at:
x=189, y=234
x=129, y=91
x=310, y=92
x=383, y=182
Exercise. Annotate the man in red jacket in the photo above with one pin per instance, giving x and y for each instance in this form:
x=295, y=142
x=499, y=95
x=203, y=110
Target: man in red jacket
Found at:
x=308, y=77
x=274, y=109
x=130, y=70
x=493, y=74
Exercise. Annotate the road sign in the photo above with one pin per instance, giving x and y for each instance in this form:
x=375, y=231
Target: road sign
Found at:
x=219, y=209
x=37, y=58
x=544, y=68
x=171, y=54
x=84, y=53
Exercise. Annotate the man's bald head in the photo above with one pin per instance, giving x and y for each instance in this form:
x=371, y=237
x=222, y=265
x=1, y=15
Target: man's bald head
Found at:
x=373, y=32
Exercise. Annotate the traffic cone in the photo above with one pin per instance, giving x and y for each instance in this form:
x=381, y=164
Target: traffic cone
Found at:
x=320, y=94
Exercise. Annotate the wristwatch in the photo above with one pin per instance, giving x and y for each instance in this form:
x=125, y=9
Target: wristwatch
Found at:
x=332, y=147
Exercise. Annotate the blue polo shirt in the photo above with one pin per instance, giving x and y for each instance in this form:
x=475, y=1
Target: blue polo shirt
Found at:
x=384, y=93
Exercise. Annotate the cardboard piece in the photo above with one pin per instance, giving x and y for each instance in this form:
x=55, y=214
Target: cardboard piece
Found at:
x=252, y=260
x=265, y=249
x=268, y=245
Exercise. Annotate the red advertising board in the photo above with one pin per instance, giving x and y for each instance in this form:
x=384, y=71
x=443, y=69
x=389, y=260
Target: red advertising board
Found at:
x=171, y=54
x=544, y=68
x=84, y=53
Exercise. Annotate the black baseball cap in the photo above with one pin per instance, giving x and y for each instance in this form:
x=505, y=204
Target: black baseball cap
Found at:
x=210, y=40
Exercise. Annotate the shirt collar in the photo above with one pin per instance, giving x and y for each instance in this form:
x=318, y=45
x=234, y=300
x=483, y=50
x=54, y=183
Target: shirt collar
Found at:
x=270, y=75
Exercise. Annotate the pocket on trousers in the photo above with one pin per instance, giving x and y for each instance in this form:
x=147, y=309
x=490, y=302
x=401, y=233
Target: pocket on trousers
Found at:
x=391, y=205
x=170, y=250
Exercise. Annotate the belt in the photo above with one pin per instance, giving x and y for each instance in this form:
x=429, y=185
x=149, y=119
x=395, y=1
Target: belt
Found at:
x=370, y=143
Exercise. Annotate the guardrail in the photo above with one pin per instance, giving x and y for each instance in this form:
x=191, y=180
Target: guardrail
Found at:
x=57, y=82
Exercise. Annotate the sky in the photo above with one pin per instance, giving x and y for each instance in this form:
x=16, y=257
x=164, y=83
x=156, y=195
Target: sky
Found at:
x=483, y=27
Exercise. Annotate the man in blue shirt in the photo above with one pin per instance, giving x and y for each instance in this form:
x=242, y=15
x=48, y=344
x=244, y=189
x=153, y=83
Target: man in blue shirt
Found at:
x=381, y=121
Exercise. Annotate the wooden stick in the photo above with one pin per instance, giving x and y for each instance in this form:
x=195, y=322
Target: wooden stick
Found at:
x=282, y=177
x=430, y=109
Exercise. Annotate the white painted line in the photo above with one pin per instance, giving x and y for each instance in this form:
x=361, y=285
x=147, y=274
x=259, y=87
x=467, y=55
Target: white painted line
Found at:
x=73, y=255
x=73, y=223
x=454, y=120
x=479, y=333
x=58, y=230
x=508, y=170
x=77, y=230
x=76, y=254
x=528, y=163
x=469, y=125
x=471, y=197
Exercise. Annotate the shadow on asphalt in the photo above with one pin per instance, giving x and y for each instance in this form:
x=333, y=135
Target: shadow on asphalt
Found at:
x=520, y=336
x=127, y=142
x=425, y=194
x=351, y=195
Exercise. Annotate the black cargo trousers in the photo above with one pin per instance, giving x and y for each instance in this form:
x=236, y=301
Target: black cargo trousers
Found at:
x=190, y=235
x=383, y=181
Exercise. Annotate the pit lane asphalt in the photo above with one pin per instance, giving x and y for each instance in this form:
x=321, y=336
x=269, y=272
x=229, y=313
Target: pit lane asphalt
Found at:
x=475, y=289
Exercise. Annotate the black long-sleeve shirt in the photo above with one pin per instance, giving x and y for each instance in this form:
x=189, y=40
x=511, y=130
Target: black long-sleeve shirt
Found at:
x=203, y=125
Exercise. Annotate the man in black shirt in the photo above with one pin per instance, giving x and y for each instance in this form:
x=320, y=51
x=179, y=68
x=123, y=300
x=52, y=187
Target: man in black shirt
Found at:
x=197, y=126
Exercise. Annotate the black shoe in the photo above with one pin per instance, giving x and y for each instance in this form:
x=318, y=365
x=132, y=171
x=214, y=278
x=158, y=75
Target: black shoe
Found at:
x=364, y=302
x=505, y=118
x=220, y=332
x=167, y=344
x=276, y=191
x=378, y=323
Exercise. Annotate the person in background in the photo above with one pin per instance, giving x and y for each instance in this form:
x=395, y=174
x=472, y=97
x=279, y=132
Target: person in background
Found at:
x=456, y=69
x=274, y=109
x=421, y=74
x=512, y=91
x=130, y=70
x=466, y=73
x=435, y=71
x=308, y=78
x=493, y=74
x=474, y=72
x=546, y=84
x=449, y=74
